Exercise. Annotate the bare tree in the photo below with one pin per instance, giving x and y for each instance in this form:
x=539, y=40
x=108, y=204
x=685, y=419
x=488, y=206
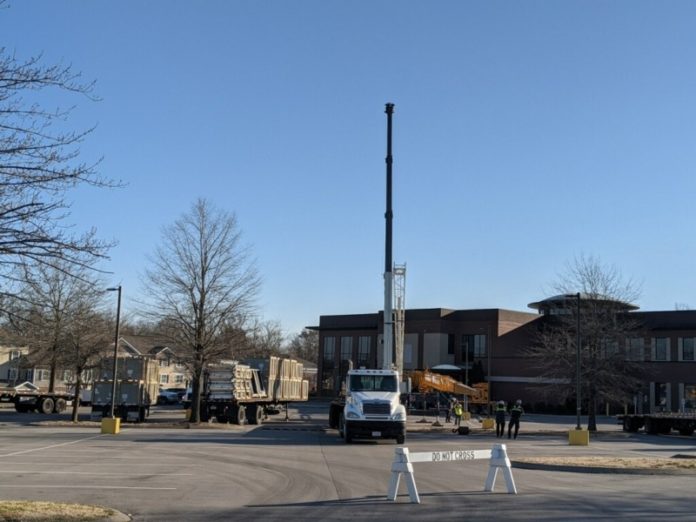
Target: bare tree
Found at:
x=201, y=283
x=49, y=305
x=39, y=164
x=260, y=339
x=305, y=345
x=608, y=369
x=85, y=341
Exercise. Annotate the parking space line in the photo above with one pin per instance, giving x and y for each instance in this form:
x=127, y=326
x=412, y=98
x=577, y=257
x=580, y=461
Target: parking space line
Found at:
x=86, y=486
x=49, y=447
x=25, y=472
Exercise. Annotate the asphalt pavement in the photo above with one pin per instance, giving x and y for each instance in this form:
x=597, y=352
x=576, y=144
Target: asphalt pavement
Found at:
x=301, y=470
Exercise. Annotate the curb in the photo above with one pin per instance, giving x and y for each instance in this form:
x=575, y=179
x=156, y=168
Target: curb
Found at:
x=598, y=469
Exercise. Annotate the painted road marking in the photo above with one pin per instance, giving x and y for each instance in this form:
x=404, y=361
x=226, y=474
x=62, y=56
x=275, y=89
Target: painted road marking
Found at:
x=48, y=447
x=25, y=472
x=86, y=486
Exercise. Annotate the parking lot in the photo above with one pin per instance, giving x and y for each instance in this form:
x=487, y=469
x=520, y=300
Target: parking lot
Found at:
x=301, y=470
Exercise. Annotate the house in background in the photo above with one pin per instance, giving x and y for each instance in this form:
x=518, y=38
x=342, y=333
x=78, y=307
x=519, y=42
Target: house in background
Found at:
x=173, y=372
x=11, y=364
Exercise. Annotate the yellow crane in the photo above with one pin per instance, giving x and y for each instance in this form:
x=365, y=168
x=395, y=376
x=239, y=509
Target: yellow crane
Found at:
x=426, y=381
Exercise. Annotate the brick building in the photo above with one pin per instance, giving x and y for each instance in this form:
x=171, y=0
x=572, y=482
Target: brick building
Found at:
x=487, y=345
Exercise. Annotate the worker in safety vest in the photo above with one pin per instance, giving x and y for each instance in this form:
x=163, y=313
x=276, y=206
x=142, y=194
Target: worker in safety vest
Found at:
x=458, y=411
x=500, y=411
x=515, y=413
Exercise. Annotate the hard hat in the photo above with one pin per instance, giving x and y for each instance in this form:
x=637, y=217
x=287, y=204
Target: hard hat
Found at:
x=519, y=401
x=502, y=403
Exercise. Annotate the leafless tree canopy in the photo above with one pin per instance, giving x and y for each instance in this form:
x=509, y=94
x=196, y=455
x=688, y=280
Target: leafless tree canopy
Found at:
x=305, y=345
x=39, y=164
x=202, y=285
x=58, y=315
x=609, y=371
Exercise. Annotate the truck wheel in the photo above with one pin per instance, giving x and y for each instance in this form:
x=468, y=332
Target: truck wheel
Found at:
x=47, y=405
x=141, y=414
x=334, y=415
x=400, y=439
x=240, y=418
x=254, y=414
x=60, y=405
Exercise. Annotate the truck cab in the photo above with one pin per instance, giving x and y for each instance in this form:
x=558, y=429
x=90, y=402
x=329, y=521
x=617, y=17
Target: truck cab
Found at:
x=372, y=407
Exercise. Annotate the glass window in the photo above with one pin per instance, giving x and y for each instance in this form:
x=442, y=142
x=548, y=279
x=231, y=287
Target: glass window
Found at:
x=164, y=363
x=329, y=352
x=364, y=344
x=373, y=383
x=473, y=346
x=479, y=345
x=346, y=348
x=164, y=378
x=688, y=348
x=661, y=349
x=634, y=349
x=690, y=396
x=450, y=344
x=15, y=354
x=178, y=378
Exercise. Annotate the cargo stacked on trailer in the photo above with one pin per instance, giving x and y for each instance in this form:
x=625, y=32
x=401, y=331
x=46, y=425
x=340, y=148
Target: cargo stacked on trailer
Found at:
x=239, y=393
x=137, y=387
x=27, y=397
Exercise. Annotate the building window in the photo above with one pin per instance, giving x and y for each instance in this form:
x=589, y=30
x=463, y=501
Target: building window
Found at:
x=687, y=348
x=346, y=348
x=164, y=378
x=364, y=342
x=408, y=353
x=178, y=379
x=608, y=348
x=164, y=363
x=634, y=349
x=450, y=344
x=473, y=346
x=12, y=374
x=329, y=352
x=43, y=375
x=690, y=396
x=661, y=349
x=15, y=354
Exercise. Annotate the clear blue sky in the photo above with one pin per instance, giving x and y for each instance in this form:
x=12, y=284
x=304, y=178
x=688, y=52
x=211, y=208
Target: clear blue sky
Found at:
x=525, y=134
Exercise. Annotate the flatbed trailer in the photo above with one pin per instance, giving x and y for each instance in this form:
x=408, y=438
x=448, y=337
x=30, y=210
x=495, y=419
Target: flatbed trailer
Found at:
x=660, y=423
x=26, y=401
x=240, y=394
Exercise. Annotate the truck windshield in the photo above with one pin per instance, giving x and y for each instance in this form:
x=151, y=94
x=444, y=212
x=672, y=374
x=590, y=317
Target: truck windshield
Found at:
x=373, y=383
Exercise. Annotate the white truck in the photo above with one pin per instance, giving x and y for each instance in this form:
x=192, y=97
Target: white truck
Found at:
x=371, y=407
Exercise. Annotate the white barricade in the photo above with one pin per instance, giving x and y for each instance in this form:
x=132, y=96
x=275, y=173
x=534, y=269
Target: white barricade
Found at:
x=404, y=460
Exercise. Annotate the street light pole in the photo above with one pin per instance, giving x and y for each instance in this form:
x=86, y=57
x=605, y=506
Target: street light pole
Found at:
x=577, y=365
x=118, y=319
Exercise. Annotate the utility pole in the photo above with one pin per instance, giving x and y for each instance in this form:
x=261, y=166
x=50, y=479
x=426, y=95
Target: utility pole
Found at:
x=388, y=337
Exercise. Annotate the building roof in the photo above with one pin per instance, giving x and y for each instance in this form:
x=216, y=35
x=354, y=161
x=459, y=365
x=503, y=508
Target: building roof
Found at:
x=562, y=301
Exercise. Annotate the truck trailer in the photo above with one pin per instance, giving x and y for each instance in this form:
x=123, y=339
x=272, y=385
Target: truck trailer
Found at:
x=27, y=397
x=660, y=423
x=239, y=393
x=137, y=388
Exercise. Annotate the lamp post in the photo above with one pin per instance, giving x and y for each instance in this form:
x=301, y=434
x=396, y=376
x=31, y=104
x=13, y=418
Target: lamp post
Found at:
x=577, y=365
x=118, y=318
